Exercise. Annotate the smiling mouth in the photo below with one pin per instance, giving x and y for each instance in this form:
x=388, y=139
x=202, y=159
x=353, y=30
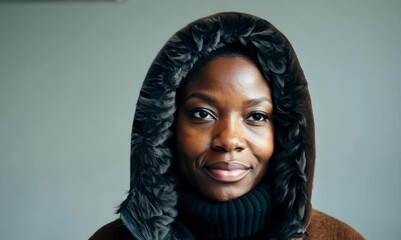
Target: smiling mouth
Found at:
x=227, y=172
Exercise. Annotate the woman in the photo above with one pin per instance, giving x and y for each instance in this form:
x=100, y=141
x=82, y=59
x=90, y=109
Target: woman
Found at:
x=223, y=140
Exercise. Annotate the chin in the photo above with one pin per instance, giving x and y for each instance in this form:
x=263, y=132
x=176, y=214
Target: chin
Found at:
x=224, y=193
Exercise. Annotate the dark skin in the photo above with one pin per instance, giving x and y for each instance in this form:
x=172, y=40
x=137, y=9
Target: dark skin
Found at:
x=224, y=133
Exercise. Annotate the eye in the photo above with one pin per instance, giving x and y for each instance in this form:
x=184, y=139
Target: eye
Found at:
x=258, y=117
x=202, y=114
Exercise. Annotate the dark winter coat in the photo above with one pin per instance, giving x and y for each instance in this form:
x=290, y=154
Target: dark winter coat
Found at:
x=150, y=209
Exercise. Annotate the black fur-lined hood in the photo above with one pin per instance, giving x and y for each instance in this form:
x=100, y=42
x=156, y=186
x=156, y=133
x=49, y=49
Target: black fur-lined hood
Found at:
x=150, y=209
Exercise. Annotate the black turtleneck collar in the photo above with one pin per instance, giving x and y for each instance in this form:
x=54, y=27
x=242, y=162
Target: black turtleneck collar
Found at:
x=241, y=218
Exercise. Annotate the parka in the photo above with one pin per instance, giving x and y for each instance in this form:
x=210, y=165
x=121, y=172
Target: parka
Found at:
x=149, y=211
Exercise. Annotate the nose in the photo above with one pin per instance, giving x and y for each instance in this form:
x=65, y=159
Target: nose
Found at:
x=228, y=135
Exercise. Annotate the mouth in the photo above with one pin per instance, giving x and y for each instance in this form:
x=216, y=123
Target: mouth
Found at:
x=227, y=172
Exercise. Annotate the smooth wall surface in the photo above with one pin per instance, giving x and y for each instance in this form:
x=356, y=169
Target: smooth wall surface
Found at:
x=70, y=75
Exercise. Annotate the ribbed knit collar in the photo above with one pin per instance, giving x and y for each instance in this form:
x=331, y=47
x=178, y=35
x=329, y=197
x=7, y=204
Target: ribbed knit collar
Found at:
x=241, y=218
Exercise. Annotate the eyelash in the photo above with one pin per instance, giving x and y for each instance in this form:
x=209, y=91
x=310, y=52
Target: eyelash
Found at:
x=195, y=111
x=265, y=117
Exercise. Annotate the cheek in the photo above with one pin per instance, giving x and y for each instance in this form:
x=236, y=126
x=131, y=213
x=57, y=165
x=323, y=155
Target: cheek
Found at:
x=191, y=150
x=264, y=146
x=191, y=144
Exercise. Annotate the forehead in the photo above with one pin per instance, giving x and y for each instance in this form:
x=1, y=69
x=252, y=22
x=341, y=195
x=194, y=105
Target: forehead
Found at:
x=228, y=74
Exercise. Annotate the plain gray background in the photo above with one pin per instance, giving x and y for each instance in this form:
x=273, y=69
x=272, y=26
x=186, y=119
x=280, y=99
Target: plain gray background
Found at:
x=69, y=79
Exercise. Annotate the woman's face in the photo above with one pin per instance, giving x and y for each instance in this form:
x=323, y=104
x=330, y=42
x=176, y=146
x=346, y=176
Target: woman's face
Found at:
x=223, y=133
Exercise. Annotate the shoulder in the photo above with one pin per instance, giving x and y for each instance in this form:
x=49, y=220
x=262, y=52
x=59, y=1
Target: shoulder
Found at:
x=115, y=230
x=323, y=226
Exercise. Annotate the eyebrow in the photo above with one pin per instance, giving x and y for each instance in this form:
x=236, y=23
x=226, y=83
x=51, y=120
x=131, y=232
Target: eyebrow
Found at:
x=256, y=101
x=212, y=100
x=204, y=97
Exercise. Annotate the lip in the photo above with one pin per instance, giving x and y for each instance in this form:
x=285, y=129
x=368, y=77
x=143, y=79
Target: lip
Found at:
x=227, y=172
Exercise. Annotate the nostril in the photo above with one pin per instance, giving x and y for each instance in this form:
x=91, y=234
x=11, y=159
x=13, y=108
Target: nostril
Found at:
x=239, y=148
x=219, y=148
x=228, y=147
x=228, y=138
